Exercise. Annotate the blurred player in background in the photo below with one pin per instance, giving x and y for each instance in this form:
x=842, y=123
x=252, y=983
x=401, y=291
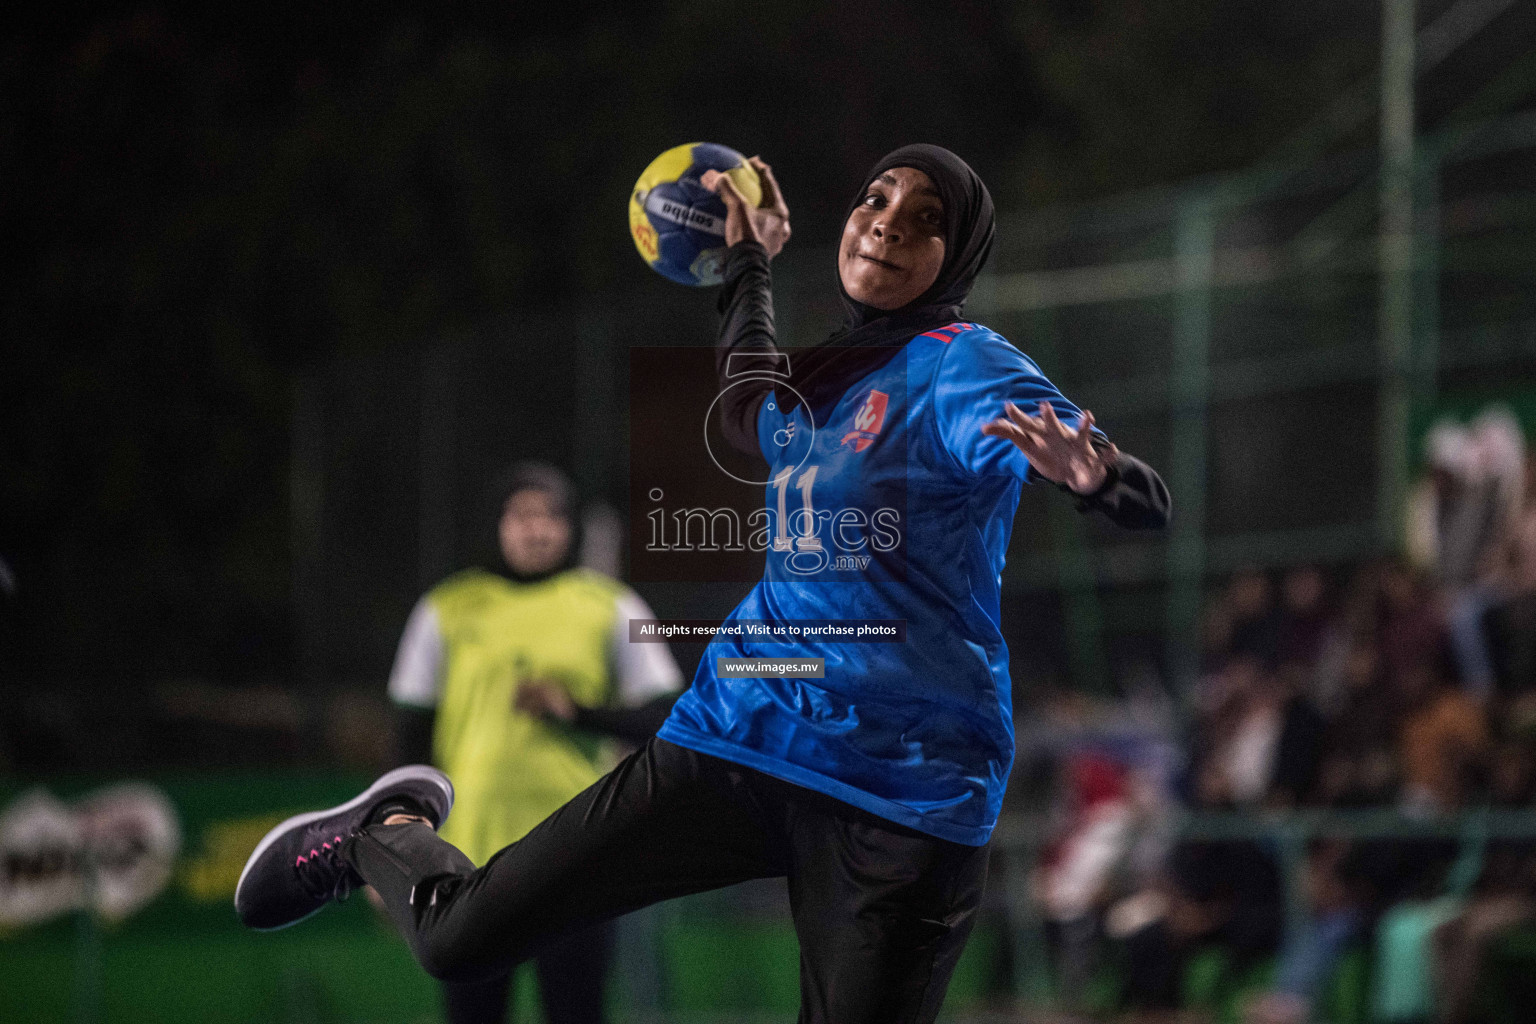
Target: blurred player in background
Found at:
x=872, y=789
x=508, y=677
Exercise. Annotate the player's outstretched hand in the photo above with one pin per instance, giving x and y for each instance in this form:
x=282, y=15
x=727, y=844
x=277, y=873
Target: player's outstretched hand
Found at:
x=767, y=223
x=1058, y=452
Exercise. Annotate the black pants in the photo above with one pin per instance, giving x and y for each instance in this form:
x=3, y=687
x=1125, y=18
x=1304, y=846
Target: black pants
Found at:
x=881, y=911
x=571, y=974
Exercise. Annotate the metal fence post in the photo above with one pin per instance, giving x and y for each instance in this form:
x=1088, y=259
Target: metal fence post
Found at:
x=1189, y=384
x=1293, y=836
x=1031, y=968
x=1394, y=326
x=1426, y=290
x=89, y=954
x=1087, y=661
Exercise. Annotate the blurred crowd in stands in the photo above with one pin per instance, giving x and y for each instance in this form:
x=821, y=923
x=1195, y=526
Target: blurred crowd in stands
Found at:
x=1407, y=683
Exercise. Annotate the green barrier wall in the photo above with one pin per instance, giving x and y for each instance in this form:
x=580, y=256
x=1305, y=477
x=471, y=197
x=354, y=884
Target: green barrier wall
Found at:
x=184, y=958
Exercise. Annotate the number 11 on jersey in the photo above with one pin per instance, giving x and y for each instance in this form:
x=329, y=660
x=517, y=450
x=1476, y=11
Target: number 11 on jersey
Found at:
x=782, y=541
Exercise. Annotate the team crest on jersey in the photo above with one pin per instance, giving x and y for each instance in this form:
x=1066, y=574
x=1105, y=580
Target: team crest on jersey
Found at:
x=867, y=421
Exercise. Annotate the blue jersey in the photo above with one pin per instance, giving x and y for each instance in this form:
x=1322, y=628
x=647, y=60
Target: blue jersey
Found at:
x=893, y=506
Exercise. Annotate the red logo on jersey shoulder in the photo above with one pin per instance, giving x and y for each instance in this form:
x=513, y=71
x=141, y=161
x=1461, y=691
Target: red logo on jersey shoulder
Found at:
x=867, y=421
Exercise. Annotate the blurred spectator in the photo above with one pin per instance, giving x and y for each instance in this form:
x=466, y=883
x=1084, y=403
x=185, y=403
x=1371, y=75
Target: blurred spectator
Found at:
x=1411, y=627
x=1339, y=894
x=1504, y=898
x=1471, y=488
x=1360, y=760
x=1444, y=738
x=1413, y=683
x=1512, y=774
x=1512, y=621
x=1242, y=621
x=1404, y=975
x=1304, y=616
x=1226, y=894
x=1080, y=866
x=1355, y=623
x=1458, y=517
x=1262, y=740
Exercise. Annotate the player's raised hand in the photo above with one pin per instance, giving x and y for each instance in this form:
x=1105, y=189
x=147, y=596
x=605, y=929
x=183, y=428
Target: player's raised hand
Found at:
x=767, y=223
x=1058, y=452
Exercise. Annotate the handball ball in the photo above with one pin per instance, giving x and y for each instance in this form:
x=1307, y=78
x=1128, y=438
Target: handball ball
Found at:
x=679, y=225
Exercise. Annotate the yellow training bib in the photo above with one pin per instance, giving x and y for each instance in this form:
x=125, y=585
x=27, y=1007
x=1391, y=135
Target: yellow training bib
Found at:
x=511, y=770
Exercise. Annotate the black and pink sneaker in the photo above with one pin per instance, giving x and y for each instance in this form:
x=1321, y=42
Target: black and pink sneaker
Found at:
x=297, y=868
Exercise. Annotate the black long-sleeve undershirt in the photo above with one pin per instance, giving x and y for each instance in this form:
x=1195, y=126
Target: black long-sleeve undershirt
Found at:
x=746, y=345
x=633, y=725
x=1132, y=495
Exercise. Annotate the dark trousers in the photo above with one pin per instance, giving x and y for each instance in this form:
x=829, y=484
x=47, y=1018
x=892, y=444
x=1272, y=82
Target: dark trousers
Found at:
x=881, y=911
x=572, y=975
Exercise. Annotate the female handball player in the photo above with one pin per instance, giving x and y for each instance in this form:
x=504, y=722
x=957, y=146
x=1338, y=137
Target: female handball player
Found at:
x=873, y=789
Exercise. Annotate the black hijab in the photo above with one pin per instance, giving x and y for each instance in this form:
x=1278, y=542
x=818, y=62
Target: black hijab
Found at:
x=531, y=476
x=870, y=337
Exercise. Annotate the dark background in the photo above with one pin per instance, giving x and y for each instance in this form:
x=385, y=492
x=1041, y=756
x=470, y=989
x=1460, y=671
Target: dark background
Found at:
x=226, y=224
